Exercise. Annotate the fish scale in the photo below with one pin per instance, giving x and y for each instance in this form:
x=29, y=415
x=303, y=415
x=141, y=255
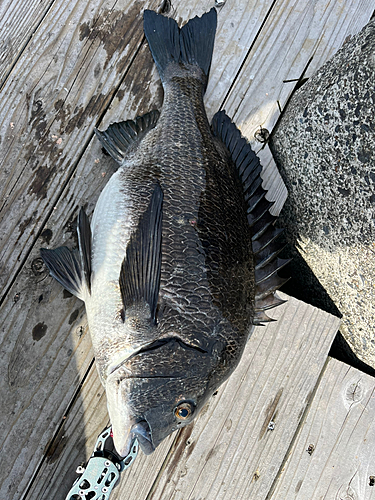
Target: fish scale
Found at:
x=182, y=253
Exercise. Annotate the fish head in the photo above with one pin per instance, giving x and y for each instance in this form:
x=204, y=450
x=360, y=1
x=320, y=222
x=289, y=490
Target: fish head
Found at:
x=159, y=390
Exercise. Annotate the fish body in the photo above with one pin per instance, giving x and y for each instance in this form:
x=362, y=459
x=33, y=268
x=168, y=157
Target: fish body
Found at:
x=180, y=257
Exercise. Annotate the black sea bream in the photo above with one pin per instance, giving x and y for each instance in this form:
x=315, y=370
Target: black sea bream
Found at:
x=181, y=255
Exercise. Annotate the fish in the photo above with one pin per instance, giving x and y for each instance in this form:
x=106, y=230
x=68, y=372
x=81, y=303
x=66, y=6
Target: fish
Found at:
x=182, y=253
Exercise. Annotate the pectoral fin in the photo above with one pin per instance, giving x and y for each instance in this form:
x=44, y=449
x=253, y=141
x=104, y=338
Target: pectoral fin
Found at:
x=140, y=270
x=64, y=265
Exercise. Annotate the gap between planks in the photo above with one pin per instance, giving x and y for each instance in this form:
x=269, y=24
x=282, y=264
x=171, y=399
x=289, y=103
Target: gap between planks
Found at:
x=222, y=451
x=334, y=453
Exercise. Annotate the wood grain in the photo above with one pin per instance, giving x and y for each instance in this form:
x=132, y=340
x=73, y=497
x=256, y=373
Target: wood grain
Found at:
x=230, y=451
x=60, y=86
x=334, y=454
x=19, y=19
x=298, y=34
x=295, y=32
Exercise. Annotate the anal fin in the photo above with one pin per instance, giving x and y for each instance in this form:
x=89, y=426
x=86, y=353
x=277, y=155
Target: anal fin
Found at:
x=140, y=270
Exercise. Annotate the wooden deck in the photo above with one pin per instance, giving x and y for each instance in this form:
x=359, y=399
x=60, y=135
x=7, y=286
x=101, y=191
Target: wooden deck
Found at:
x=66, y=67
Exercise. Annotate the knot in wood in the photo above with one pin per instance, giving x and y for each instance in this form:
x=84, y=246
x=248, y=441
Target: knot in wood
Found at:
x=38, y=267
x=354, y=392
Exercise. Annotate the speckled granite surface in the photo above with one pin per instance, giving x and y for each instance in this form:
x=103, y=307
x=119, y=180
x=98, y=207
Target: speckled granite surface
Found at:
x=324, y=146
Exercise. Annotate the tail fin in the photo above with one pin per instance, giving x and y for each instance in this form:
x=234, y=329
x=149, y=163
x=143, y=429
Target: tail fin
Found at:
x=192, y=44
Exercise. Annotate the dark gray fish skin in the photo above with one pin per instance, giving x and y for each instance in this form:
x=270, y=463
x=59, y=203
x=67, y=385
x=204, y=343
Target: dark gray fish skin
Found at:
x=181, y=256
x=206, y=291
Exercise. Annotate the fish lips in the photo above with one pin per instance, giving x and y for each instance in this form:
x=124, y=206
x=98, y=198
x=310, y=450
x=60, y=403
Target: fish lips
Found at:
x=141, y=432
x=126, y=427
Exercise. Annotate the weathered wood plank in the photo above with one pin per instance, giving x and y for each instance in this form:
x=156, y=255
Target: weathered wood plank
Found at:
x=35, y=306
x=230, y=452
x=238, y=27
x=18, y=21
x=75, y=442
x=38, y=384
x=59, y=88
x=295, y=32
x=334, y=453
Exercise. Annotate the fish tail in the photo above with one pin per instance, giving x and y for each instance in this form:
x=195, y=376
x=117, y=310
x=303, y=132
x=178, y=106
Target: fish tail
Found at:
x=192, y=44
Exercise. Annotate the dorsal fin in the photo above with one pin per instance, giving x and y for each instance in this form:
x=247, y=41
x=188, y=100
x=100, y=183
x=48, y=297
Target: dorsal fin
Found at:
x=120, y=136
x=140, y=270
x=265, y=244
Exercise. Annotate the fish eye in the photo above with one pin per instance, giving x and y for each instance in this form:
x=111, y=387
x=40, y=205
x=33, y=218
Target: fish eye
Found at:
x=183, y=411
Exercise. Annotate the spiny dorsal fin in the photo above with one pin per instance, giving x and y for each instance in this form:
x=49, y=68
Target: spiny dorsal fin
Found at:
x=269, y=302
x=118, y=137
x=265, y=245
x=261, y=317
x=140, y=270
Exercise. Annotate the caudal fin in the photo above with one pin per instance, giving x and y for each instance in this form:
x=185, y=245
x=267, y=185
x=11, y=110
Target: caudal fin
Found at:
x=192, y=44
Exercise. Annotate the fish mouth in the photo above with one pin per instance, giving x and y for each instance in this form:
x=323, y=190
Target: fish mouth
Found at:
x=141, y=432
x=130, y=420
